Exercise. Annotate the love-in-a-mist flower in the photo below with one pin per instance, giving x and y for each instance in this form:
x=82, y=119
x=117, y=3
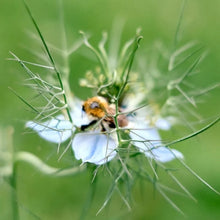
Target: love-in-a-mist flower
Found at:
x=93, y=133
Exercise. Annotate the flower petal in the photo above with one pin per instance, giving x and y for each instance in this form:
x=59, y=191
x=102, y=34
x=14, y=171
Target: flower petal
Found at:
x=79, y=117
x=164, y=154
x=163, y=124
x=143, y=136
x=94, y=147
x=56, y=130
x=146, y=139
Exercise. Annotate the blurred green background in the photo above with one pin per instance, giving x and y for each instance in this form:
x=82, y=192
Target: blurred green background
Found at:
x=53, y=198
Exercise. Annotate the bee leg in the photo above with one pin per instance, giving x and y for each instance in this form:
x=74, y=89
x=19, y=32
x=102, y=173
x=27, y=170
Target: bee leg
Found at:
x=83, y=127
x=112, y=125
x=103, y=128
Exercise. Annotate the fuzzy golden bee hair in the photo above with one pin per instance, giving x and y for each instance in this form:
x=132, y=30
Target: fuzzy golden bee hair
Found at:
x=98, y=108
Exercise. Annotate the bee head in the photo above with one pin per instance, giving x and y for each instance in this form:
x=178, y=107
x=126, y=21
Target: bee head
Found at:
x=95, y=106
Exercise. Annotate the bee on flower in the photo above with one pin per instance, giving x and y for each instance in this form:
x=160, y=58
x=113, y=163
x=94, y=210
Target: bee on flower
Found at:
x=121, y=116
x=98, y=109
x=96, y=140
x=94, y=131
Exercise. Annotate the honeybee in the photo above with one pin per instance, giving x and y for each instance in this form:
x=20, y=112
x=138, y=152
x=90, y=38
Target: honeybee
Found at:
x=99, y=110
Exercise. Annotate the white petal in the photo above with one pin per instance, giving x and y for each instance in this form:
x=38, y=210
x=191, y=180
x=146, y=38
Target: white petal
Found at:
x=131, y=100
x=164, y=154
x=146, y=137
x=147, y=140
x=163, y=124
x=55, y=130
x=78, y=116
x=94, y=148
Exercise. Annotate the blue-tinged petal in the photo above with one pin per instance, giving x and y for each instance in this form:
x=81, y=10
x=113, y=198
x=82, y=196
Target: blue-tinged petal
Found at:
x=146, y=139
x=56, y=130
x=164, y=154
x=94, y=148
x=163, y=124
x=143, y=136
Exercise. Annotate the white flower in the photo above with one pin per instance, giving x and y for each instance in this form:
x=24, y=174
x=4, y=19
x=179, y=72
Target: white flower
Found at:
x=98, y=148
x=93, y=147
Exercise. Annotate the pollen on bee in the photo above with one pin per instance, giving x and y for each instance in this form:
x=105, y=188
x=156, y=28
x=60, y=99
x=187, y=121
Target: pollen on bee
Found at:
x=98, y=108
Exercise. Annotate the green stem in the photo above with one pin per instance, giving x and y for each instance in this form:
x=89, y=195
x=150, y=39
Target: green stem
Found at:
x=116, y=122
x=45, y=169
x=128, y=66
x=195, y=133
x=14, y=200
x=179, y=24
x=100, y=58
x=51, y=60
x=8, y=136
x=91, y=194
